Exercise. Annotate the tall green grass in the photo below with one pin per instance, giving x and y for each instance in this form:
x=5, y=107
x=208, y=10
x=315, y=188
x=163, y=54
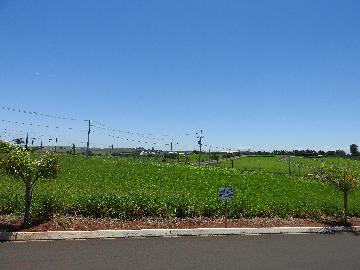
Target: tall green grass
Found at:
x=272, y=164
x=133, y=188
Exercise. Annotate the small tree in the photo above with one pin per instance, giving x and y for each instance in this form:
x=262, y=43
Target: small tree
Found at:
x=18, y=141
x=354, y=150
x=19, y=163
x=342, y=179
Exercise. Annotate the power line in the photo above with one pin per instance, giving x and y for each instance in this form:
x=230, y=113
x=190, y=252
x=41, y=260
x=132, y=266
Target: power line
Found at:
x=146, y=138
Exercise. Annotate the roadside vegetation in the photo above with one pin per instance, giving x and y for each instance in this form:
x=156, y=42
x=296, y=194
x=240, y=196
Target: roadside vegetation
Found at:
x=130, y=188
x=20, y=164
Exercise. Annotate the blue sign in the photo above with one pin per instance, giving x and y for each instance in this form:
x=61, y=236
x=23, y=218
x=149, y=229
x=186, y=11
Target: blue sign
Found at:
x=226, y=193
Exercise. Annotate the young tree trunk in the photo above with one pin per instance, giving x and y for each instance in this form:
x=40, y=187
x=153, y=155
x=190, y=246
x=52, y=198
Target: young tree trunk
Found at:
x=28, y=199
x=345, y=205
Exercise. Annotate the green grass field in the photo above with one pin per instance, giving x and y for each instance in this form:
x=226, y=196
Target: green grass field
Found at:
x=271, y=164
x=336, y=161
x=133, y=188
x=300, y=166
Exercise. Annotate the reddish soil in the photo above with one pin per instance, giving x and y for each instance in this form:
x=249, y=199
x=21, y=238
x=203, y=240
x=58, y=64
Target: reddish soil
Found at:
x=12, y=223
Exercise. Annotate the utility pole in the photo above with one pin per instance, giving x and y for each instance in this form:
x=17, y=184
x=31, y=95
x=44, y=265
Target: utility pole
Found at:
x=173, y=144
x=26, y=140
x=200, y=137
x=209, y=155
x=88, y=138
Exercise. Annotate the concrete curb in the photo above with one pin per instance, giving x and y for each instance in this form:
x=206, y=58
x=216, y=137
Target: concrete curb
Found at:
x=73, y=235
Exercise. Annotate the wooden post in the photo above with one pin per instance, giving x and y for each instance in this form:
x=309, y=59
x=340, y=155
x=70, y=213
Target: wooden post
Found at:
x=289, y=165
x=209, y=156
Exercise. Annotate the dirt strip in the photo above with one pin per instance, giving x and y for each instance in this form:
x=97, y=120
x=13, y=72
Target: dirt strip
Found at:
x=11, y=223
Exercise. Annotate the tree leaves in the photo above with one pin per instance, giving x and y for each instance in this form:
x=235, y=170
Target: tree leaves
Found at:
x=20, y=163
x=341, y=178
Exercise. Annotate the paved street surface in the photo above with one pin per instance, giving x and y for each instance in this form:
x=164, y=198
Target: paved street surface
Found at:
x=337, y=251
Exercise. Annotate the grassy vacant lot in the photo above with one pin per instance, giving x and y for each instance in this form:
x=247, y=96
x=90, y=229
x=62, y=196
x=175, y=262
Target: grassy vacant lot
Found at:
x=273, y=164
x=193, y=158
x=336, y=161
x=131, y=188
x=279, y=164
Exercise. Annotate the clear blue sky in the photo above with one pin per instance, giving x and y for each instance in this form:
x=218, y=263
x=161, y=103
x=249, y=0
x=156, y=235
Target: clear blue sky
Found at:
x=251, y=74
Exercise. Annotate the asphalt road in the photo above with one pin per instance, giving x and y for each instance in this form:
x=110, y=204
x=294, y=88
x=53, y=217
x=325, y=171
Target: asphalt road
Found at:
x=337, y=251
